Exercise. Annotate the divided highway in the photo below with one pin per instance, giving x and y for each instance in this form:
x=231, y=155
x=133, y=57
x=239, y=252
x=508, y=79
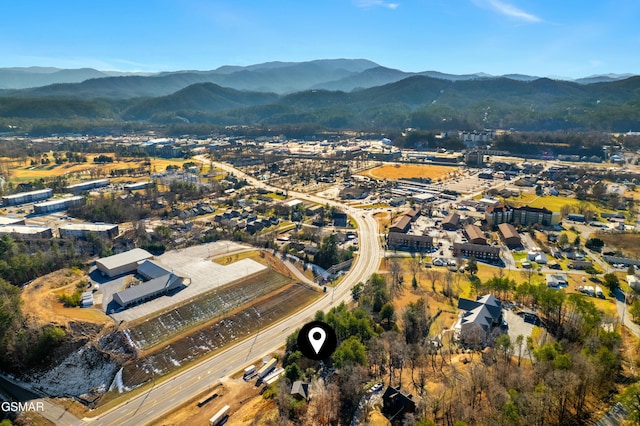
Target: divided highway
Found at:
x=163, y=397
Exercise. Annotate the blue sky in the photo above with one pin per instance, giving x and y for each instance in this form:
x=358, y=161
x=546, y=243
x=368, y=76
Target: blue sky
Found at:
x=558, y=38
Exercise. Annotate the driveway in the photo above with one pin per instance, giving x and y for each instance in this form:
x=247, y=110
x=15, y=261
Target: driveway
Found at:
x=623, y=313
x=517, y=326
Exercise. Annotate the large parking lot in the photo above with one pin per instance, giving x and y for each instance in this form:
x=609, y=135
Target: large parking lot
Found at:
x=193, y=263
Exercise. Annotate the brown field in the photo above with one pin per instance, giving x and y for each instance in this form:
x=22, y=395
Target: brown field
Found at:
x=407, y=171
x=628, y=243
x=40, y=300
x=24, y=172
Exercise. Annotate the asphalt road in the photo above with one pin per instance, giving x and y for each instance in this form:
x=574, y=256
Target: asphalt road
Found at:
x=164, y=396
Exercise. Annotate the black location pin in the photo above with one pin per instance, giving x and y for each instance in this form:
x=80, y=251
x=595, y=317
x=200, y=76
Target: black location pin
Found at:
x=317, y=340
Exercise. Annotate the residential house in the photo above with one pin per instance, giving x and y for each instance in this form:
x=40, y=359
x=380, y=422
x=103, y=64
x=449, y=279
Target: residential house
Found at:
x=396, y=403
x=556, y=280
x=480, y=321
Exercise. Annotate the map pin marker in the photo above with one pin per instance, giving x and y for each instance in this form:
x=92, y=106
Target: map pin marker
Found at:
x=317, y=340
x=317, y=336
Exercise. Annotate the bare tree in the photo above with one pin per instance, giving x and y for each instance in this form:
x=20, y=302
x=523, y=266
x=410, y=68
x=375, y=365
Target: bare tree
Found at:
x=527, y=274
x=433, y=276
x=447, y=289
x=414, y=267
x=395, y=269
x=323, y=409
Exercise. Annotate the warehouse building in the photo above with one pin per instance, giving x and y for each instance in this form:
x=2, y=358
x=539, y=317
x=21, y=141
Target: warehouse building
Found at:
x=151, y=270
x=137, y=185
x=27, y=197
x=24, y=232
x=86, y=186
x=148, y=290
x=7, y=220
x=58, y=204
x=82, y=230
x=122, y=263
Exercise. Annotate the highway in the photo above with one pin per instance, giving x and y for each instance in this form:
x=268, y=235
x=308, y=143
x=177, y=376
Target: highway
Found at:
x=164, y=396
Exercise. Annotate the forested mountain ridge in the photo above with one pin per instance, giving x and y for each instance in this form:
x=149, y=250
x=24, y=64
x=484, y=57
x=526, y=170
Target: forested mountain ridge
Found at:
x=418, y=101
x=278, y=77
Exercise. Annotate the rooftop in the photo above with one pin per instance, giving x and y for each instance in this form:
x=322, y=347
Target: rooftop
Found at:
x=135, y=255
x=23, y=229
x=148, y=289
x=508, y=230
x=88, y=226
x=60, y=200
x=473, y=232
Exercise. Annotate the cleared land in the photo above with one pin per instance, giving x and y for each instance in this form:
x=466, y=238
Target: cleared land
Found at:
x=247, y=406
x=408, y=171
x=214, y=335
x=553, y=203
x=40, y=300
x=628, y=243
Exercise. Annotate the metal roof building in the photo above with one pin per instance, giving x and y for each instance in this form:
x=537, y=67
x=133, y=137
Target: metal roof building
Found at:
x=27, y=197
x=58, y=204
x=509, y=235
x=451, y=222
x=137, y=185
x=148, y=290
x=475, y=235
x=24, y=232
x=82, y=230
x=7, y=220
x=85, y=186
x=122, y=263
x=150, y=270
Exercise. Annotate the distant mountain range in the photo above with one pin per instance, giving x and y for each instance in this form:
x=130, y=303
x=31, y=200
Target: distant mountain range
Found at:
x=277, y=77
x=339, y=93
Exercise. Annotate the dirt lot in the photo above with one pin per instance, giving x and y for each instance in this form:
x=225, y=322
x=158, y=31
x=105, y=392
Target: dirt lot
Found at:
x=41, y=301
x=246, y=405
x=407, y=171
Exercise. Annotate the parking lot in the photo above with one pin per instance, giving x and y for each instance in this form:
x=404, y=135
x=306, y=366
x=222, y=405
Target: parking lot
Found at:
x=193, y=263
x=517, y=326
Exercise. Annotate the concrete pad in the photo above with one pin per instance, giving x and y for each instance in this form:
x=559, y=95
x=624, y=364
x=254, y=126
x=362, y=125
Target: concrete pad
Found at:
x=194, y=263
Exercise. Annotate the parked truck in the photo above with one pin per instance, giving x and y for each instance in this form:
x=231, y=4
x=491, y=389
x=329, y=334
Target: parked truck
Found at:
x=249, y=370
x=218, y=418
x=271, y=378
x=267, y=368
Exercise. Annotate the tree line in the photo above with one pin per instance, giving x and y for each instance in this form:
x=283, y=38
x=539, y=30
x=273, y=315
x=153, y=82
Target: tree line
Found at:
x=517, y=382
